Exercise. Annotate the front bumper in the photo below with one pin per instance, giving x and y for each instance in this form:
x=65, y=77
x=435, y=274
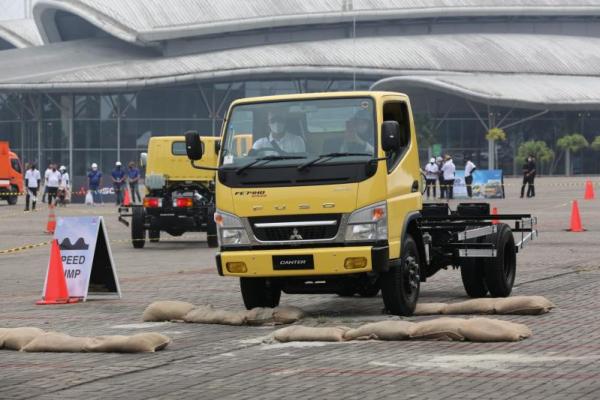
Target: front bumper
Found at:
x=327, y=261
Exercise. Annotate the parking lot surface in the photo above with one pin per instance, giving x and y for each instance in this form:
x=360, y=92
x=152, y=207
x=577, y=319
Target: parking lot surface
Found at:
x=560, y=361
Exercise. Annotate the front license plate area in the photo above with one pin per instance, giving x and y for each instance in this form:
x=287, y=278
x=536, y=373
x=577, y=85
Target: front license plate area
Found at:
x=283, y=263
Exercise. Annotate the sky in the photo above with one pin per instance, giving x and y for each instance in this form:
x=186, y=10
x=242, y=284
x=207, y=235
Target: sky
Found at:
x=12, y=9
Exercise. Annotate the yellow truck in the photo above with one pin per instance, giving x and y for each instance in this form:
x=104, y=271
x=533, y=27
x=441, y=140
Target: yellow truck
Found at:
x=179, y=198
x=328, y=200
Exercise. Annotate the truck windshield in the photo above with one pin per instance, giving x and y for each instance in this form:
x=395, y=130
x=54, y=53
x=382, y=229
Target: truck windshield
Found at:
x=300, y=131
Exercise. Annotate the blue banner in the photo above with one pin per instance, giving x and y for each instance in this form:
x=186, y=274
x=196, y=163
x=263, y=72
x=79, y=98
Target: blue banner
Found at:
x=487, y=184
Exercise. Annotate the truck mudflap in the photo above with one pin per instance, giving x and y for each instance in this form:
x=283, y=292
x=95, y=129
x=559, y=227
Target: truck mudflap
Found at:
x=297, y=262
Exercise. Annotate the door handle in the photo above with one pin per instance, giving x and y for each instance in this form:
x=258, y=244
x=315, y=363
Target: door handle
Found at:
x=415, y=187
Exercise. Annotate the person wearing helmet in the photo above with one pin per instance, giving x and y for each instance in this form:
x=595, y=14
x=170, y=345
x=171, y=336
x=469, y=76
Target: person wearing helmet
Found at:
x=118, y=179
x=431, y=175
x=440, y=162
x=64, y=187
x=94, y=183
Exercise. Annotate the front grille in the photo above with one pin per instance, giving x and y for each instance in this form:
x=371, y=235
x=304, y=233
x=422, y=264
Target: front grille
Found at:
x=296, y=232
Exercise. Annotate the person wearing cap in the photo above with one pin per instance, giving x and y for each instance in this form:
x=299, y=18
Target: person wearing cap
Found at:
x=469, y=170
x=431, y=175
x=440, y=163
x=64, y=187
x=134, y=181
x=118, y=179
x=448, y=171
x=94, y=183
x=53, y=179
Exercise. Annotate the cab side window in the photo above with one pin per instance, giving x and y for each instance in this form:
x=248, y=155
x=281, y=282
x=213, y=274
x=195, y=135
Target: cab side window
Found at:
x=397, y=111
x=16, y=165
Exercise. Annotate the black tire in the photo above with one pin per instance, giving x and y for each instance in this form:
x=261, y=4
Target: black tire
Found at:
x=259, y=292
x=472, y=272
x=400, y=285
x=12, y=200
x=138, y=231
x=500, y=271
x=154, y=236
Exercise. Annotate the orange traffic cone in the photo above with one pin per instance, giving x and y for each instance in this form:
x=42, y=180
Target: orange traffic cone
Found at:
x=575, y=218
x=126, y=199
x=589, y=190
x=51, y=225
x=56, y=284
x=495, y=212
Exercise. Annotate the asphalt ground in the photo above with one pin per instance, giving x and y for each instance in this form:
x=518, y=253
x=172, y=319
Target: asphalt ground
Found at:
x=560, y=361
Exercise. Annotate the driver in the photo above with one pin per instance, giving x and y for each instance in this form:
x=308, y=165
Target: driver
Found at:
x=278, y=139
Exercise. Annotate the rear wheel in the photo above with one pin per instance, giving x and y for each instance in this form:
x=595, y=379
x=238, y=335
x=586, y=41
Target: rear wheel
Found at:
x=500, y=271
x=473, y=274
x=259, y=292
x=12, y=200
x=400, y=285
x=138, y=231
x=154, y=235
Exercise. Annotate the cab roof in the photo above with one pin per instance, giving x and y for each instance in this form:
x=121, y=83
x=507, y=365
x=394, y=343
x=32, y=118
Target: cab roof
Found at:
x=317, y=95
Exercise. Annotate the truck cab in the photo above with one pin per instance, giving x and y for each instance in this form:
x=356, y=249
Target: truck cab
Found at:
x=11, y=174
x=327, y=199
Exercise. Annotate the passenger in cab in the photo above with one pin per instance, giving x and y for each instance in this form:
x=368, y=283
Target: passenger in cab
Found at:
x=356, y=139
x=280, y=140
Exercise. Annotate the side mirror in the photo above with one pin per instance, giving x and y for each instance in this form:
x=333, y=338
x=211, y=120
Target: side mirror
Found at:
x=143, y=159
x=392, y=136
x=193, y=145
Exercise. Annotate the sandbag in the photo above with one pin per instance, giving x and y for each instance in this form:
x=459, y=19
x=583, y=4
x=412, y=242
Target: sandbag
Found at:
x=523, y=305
x=299, y=333
x=383, y=330
x=430, y=308
x=287, y=314
x=3, y=331
x=474, y=306
x=438, y=329
x=208, y=315
x=17, y=338
x=259, y=316
x=168, y=310
x=58, y=342
x=148, y=342
x=493, y=330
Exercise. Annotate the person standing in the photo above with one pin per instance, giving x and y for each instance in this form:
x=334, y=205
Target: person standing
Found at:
x=440, y=163
x=528, y=177
x=118, y=179
x=95, y=182
x=431, y=176
x=53, y=179
x=469, y=170
x=448, y=171
x=32, y=183
x=65, y=186
x=46, y=173
x=133, y=174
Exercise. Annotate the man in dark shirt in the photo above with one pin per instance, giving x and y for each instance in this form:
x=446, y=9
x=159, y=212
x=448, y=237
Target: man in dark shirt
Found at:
x=528, y=177
x=118, y=178
x=134, y=179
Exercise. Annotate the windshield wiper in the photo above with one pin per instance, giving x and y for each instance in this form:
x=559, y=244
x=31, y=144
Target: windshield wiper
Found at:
x=329, y=156
x=267, y=159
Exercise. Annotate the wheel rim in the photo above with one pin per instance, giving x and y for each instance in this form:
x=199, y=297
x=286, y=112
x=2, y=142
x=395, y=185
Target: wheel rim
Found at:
x=411, y=275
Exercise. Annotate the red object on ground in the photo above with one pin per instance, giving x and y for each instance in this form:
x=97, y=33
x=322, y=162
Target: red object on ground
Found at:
x=126, y=198
x=51, y=225
x=56, y=284
x=575, y=218
x=495, y=212
x=589, y=190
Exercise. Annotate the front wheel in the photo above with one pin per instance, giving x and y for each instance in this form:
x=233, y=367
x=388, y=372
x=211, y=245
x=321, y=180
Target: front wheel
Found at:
x=138, y=231
x=12, y=200
x=400, y=285
x=259, y=292
x=501, y=270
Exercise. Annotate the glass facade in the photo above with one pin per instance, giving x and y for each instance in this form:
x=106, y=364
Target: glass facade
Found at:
x=77, y=129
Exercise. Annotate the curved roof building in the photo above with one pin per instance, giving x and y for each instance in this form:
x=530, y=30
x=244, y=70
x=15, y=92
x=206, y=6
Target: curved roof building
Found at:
x=482, y=62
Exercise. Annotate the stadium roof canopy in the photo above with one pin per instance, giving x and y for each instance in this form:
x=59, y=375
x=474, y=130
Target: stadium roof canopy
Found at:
x=19, y=33
x=531, y=70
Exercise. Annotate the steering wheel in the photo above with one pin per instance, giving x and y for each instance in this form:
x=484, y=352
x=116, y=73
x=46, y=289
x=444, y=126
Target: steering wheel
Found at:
x=260, y=152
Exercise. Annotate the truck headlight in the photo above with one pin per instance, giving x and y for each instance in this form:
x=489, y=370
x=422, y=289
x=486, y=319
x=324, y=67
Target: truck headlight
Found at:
x=230, y=230
x=368, y=223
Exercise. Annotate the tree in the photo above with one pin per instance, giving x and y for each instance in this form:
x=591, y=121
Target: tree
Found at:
x=571, y=144
x=596, y=144
x=538, y=148
x=494, y=135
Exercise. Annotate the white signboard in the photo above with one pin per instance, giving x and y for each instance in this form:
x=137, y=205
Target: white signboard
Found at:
x=86, y=256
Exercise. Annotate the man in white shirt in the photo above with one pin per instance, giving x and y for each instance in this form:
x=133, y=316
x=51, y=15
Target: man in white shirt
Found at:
x=278, y=139
x=53, y=179
x=431, y=175
x=448, y=170
x=32, y=183
x=469, y=170
x=65, y=186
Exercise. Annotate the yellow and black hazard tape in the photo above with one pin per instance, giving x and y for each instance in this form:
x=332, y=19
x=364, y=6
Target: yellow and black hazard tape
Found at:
x=26, y=247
